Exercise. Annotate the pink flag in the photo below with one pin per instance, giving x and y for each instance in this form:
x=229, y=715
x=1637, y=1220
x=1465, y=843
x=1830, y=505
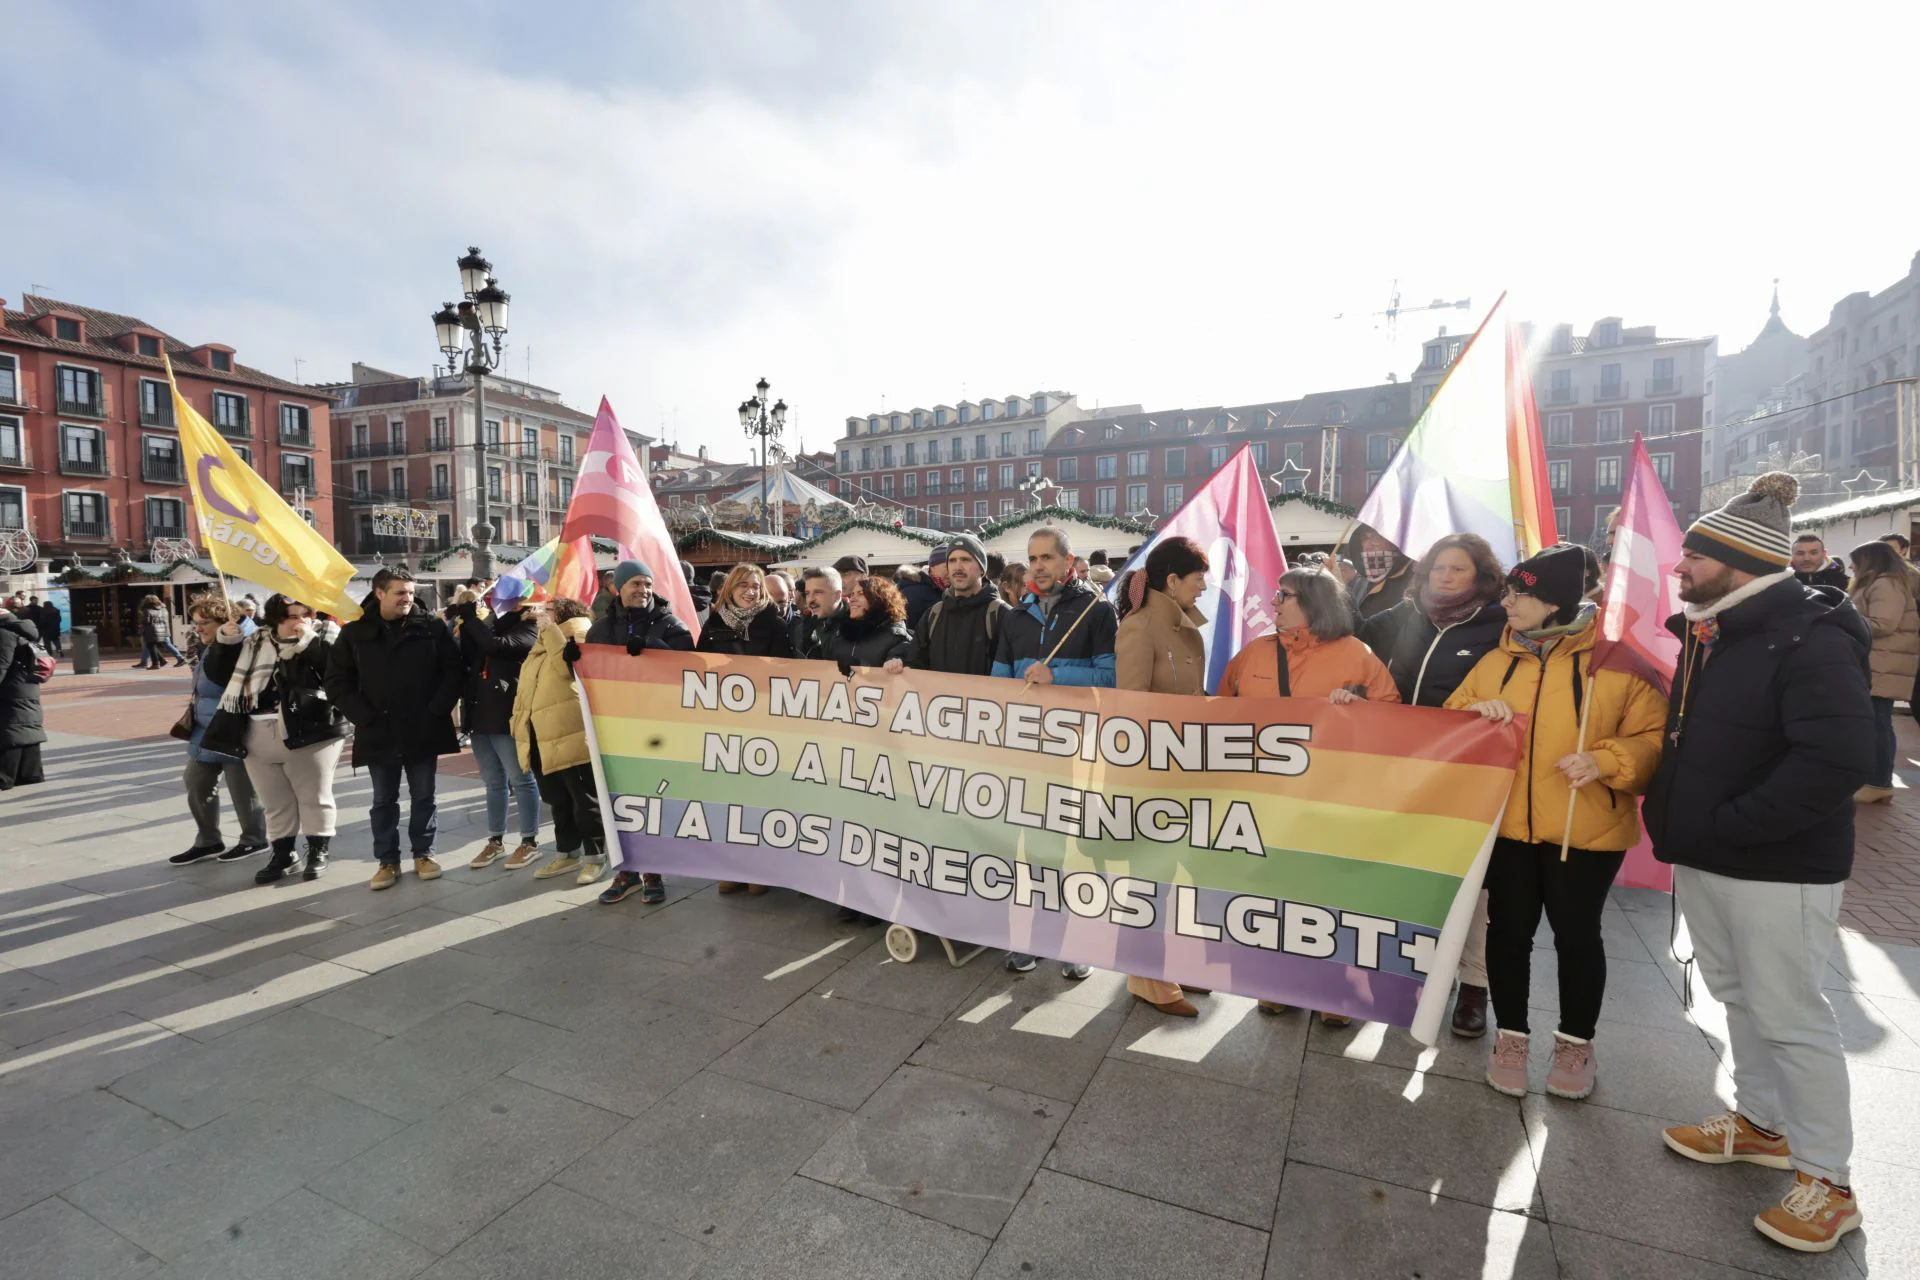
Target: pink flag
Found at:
x=1641, y=595
x=611, y=500
x=1641, y=591
x=1230, y=519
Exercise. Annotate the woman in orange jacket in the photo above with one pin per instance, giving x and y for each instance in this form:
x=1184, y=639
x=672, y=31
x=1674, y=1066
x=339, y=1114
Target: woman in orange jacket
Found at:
x=1312, y=654
x=1543, y=669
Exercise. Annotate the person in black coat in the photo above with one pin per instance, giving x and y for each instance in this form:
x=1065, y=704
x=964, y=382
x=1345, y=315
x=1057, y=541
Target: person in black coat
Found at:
x=639, y=620
x=22, y=728
x=1770, y=732
x=492, y=650
x=397, y=675
x=918, y=587
x=49, y=623
x=743, y=621
x=960, y=633
x=873, y=629
x=1449, y=619
x=1814, y=567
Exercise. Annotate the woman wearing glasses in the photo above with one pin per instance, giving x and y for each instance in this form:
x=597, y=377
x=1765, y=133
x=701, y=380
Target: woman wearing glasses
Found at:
x=1429, y=641
x=1543, y=670
x=1313, y=653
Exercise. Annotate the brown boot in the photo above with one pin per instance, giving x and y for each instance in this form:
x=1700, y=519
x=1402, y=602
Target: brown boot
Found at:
x=728, y=886
x=1470, y=1012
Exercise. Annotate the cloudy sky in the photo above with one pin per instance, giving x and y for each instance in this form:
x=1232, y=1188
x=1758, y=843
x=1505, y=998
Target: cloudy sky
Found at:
x=889, y=203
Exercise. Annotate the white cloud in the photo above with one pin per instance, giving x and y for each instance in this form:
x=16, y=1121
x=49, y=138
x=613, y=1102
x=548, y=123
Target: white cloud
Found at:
x=1163, y=204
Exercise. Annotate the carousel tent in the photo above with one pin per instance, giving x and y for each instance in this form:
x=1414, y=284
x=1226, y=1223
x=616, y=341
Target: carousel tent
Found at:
x=1086, y=533
x=785, y=487
x=878, y=544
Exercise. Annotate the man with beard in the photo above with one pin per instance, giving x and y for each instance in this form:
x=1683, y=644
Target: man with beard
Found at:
x=1061, y=633
x=958, y=635
x=1770, y=732
x=1813, y=566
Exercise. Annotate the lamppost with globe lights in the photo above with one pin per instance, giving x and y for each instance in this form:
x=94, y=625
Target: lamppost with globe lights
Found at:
x=764, y=422
x=470, y=334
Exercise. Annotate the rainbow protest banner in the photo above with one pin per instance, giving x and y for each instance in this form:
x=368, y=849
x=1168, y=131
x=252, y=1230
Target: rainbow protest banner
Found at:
x=1321, y=856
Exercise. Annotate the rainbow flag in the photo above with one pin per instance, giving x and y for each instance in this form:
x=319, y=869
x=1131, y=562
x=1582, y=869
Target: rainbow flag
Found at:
x=1321, y=856
x=555, y=570
x=1475, y=461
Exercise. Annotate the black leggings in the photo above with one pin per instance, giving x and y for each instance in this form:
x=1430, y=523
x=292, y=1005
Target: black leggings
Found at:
x=574, y=803
x=1521, y=880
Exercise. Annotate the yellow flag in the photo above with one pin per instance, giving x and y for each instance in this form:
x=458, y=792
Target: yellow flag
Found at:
x=249, y=529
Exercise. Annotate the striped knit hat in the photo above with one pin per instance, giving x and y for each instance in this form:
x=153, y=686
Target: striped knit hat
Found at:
x=1753, y=532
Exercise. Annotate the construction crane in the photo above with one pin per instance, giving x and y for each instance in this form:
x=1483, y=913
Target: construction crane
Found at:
x=1394, y=310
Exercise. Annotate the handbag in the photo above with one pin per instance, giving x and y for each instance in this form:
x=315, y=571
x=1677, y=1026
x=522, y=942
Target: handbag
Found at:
x=183, y=727
x=226, y=732
x=308, y=718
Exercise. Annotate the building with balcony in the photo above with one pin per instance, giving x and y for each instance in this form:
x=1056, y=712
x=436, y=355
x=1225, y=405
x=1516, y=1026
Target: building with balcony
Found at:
x=90, y=458
x=1594, y=392
x=407, y=443
x=937, y=467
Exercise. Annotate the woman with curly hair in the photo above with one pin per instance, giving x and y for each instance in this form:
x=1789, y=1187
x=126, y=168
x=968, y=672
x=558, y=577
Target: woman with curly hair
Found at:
x=874, y=629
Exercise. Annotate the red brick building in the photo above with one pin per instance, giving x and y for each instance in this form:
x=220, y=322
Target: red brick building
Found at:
x=90, y=457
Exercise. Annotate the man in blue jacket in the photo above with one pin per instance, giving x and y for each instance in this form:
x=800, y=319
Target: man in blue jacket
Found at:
x=1062, y=633
x=1769, y=734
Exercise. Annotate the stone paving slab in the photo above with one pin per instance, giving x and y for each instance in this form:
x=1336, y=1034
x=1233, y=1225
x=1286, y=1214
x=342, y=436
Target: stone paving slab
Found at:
x=535, y=1084
x=1333, y=1223
x=945, y=1147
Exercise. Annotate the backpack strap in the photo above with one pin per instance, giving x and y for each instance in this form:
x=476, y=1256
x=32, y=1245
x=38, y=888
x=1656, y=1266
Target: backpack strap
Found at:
x=1282, y=676
x=1578, y=697
x=1511, y=668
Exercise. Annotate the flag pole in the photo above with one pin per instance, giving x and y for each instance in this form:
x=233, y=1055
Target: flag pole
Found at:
x=1579, y=745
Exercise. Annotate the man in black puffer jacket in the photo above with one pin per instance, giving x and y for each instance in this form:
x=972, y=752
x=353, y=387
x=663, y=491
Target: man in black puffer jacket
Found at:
x=1770, y=732
x=396, y=674
x=959, y=634
x=639, y=620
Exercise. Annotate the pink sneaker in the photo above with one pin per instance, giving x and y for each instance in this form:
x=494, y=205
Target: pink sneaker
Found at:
x=1573, y=1068
x=1507, y=1067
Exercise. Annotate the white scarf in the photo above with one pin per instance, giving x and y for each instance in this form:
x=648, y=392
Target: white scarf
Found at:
x=1701, y=612
x=254, y=671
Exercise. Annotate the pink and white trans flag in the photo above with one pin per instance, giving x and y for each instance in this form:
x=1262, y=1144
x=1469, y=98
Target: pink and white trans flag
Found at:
x=1641, y=595
x=612, y=500
x=1230, y=519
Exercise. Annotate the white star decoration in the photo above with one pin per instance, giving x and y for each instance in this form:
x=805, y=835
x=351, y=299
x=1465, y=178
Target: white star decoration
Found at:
x=1865, y=482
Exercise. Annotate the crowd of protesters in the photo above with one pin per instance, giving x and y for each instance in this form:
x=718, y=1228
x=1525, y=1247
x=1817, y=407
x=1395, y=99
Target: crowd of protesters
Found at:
x=1779, y=722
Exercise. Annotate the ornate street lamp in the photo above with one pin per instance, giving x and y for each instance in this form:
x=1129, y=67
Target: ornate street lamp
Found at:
x=763, y=422
x=469, y=334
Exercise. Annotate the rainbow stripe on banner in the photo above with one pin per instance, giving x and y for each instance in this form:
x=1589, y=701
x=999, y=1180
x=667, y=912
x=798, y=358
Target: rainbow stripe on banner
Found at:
x=1321, y=856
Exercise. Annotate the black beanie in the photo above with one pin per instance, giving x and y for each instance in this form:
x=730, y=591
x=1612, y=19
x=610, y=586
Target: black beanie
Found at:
x=1558, y=575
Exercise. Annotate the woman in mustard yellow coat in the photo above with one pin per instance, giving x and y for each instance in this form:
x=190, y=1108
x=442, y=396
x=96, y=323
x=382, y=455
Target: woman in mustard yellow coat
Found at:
x=1543, y=670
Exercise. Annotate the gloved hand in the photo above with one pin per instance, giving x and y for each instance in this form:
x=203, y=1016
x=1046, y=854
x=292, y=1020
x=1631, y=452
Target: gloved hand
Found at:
x=571, y=654
x=846, y=667
x=636, y=645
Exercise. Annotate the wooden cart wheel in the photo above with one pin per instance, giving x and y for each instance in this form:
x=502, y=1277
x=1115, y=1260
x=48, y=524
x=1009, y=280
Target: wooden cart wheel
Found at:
x=903, y=944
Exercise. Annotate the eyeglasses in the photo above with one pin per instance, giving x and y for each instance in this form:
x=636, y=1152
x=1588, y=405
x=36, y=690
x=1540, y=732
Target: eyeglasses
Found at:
x=1511, y=594
x=1285, y=594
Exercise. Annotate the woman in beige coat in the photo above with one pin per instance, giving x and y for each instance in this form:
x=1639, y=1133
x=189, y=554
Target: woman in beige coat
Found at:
x=1883, y=593
x=1159, y=649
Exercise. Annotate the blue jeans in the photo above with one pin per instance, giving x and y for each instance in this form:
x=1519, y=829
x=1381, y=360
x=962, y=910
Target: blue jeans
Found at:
x=499, y=761
x=385, y=814
x=1883, y=742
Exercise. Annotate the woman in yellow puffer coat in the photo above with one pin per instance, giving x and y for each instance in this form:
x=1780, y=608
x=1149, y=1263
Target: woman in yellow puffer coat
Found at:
x=1541, y=669
x=552, y=737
